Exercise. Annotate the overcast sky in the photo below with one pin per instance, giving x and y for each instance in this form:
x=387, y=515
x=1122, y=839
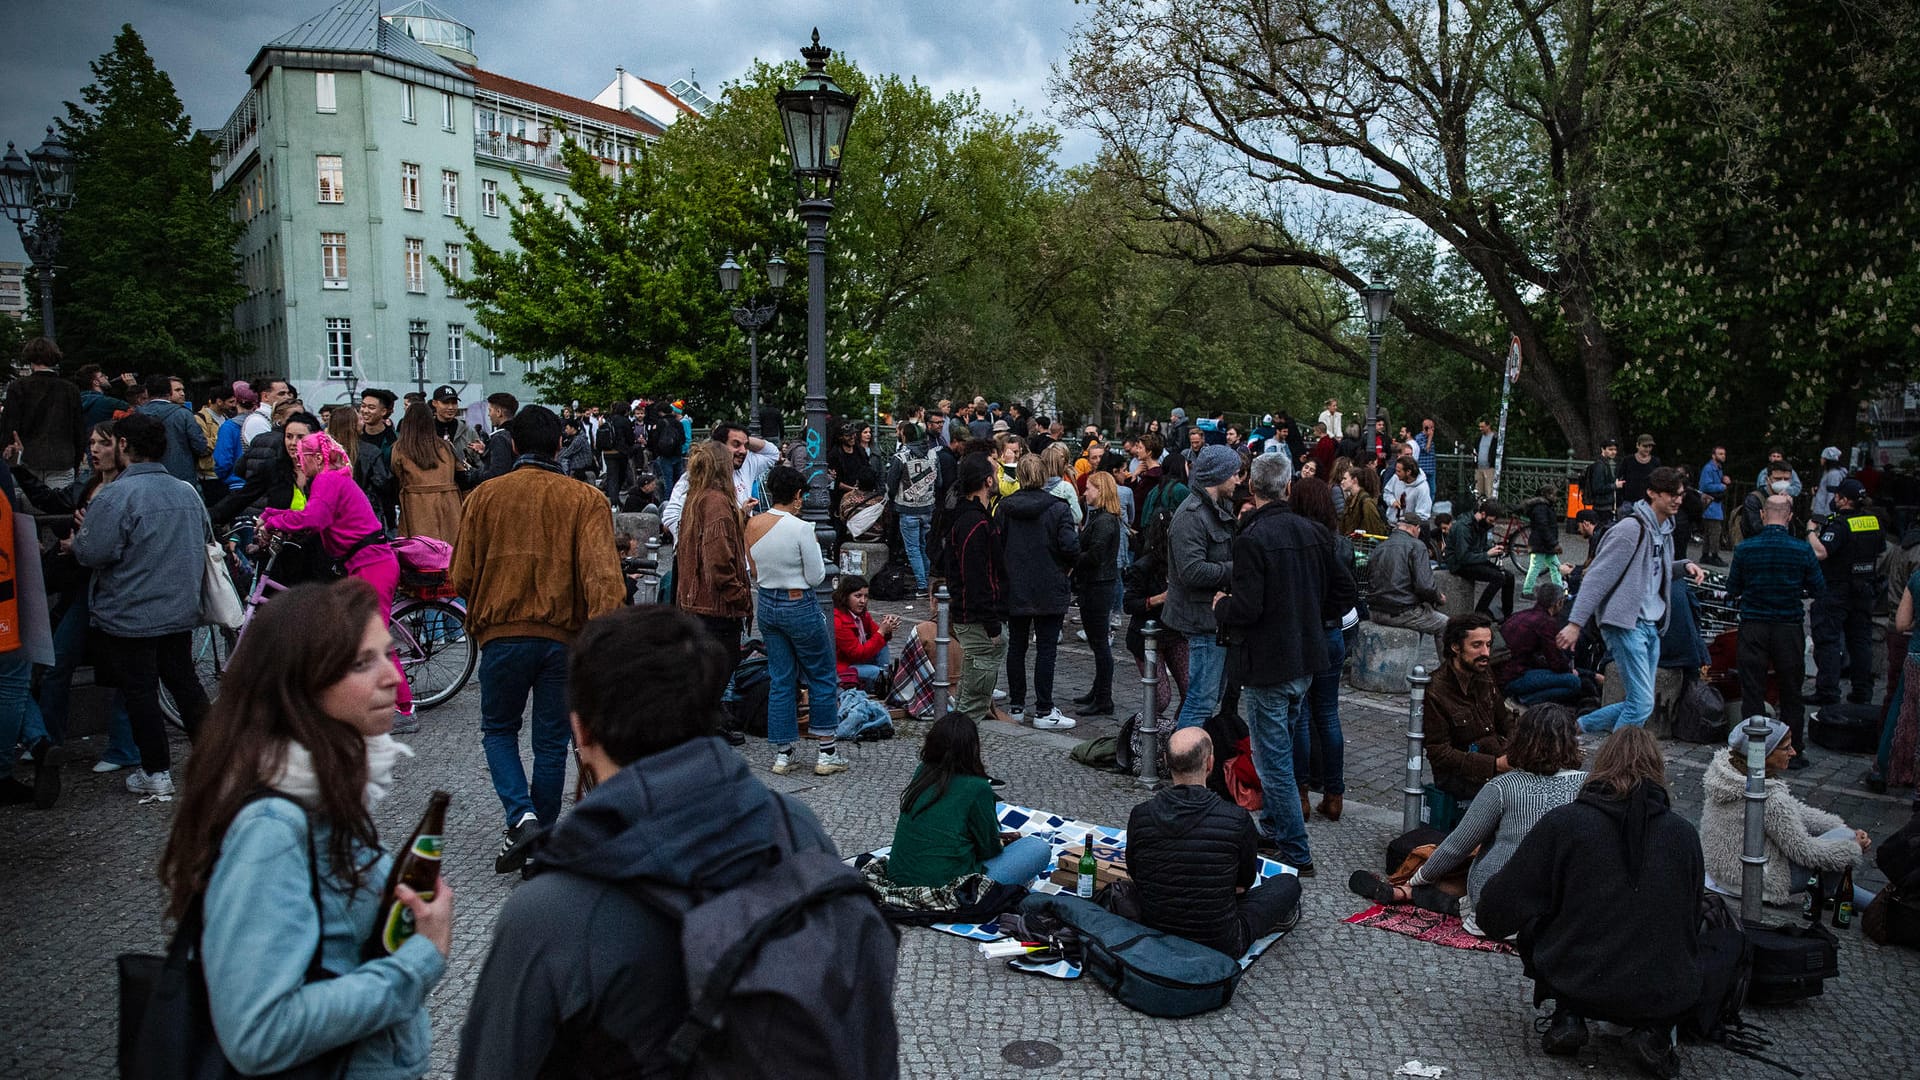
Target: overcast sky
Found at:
x=1004, y=48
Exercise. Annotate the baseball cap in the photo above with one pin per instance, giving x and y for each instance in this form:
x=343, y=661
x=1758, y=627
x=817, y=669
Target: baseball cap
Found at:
x=1604, y=443
x=1851, y=489
x=446, y=393
x=1644, y=440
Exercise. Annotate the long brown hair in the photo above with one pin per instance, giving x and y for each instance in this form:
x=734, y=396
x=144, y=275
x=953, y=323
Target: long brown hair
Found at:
x=1630, y=755
x=417, y=439
x=297, y=645
x=344, y=426
x=1545, y=740
x=710, y=468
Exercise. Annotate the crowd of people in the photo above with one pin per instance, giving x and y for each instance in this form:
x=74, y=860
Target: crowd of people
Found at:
x=1255, y=552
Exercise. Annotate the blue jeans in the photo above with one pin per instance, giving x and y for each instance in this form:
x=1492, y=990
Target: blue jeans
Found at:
x=510, y=670
x=1536, y=685
x=1635, y=653
x=913, y=533
x=1319, y=750
x=1021, y=862
x=799, y=645
x=1206, y=672
x=16, y=682
x=667, y=469
x=867, y=673
x=1270, y=711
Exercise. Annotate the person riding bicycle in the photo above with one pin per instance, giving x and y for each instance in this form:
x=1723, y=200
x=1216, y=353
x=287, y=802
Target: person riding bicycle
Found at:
x=336, y=508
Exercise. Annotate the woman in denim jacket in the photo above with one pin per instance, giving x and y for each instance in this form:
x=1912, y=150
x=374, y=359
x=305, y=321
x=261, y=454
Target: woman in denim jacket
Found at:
x=305, y=713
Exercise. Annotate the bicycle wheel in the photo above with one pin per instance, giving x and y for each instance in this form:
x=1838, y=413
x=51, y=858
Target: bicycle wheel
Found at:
x=435, y=650
x=212, y=647
x=1518, y=552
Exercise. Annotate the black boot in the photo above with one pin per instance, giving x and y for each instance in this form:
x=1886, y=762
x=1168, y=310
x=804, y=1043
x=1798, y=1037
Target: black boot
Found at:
x=1565, y=1034
x=1654, y=1052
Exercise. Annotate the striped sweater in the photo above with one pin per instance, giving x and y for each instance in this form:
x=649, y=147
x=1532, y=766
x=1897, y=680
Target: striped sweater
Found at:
x=1496, y=821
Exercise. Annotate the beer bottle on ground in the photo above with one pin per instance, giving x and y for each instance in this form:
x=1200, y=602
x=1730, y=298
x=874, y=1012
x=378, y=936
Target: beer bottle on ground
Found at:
x=418, y=868
x=1089, y=867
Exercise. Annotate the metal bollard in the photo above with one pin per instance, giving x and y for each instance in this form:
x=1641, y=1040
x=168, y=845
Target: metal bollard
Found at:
x=649, y=590
x=942, y=678
x=1148, y=730
x=1753, y=857
x=1413, y=793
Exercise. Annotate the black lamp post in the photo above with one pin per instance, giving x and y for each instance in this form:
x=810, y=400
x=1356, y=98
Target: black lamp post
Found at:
x=353, y=383
x=751, y=317
x=417, y=351
x=815, y=115
x=1378, y=297
x=35, y=191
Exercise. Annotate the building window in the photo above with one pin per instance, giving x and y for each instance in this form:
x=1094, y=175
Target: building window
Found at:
x=406, y=102
x=416, y=266
x=323, y=99
x=452, y=264
x=339, y=348
x=333, y=260
x=496, y=364
x=456, y=352
x=490, y=198
x=332, y=178
x=533, y=365
x=409, y=186
x=450, y=192
x=446, y=110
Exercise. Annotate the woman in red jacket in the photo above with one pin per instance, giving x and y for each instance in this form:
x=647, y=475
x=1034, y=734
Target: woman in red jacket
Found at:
x=859, y=642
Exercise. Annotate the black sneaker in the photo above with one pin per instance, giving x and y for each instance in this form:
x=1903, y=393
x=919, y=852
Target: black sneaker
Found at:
x=996, y=781
x=1565, y=1034
x=1306, y=871
x=1292, y=920
x=733, y=736
x=514, y=843
x=1654, y=1052
x=1798, y=761
x=1098, y=708
x=46, y=774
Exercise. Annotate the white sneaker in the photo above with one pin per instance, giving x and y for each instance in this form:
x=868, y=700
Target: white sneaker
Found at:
x=1054, y=721
x=999, y=695
x=1018, y=712
x=107, y=766
x=782, y=763
x=828, y=764
x=142, y=782
x=1081, y=634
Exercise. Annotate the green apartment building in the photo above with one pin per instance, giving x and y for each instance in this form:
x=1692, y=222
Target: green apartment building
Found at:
x=364, y=140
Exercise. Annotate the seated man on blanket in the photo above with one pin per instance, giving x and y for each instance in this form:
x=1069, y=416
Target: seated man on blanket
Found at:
x=1193, y=859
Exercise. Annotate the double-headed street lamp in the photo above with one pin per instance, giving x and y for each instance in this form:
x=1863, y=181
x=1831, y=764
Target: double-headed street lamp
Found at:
x=815, y=115
x=34, y=192
x=1378, y=297
x=751, y=317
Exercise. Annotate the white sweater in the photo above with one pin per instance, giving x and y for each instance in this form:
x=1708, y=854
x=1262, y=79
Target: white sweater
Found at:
x=787, y=556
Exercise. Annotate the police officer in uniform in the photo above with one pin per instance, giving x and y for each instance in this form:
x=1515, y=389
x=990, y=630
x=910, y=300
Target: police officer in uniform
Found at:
x=1848, y=543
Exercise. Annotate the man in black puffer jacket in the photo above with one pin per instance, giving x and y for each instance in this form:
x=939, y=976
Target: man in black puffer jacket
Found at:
x=1190, y=853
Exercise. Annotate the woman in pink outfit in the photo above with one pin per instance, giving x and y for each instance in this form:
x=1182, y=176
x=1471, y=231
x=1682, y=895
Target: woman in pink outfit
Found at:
x=338, y=510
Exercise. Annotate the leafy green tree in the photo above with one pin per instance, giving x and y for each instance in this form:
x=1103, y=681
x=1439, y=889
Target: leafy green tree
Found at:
x=149, y=276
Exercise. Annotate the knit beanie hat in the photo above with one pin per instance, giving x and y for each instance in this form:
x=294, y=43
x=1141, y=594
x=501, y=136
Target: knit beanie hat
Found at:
x=245, y=394
x=1215, y=465
x=1737, y=738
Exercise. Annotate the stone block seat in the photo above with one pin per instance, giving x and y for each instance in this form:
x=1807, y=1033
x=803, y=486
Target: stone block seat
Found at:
x=866, y=560
x=1383, y=657
x=1667, y=684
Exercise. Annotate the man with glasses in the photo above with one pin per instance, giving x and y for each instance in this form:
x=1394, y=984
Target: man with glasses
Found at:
x=1628, y=585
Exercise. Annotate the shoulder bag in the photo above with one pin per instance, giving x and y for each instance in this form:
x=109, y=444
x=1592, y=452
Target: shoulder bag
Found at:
x=166, y=1020
x=219, y=599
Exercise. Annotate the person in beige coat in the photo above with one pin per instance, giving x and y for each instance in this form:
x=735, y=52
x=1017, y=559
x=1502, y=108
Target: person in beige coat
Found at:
x=426, y=472
x=1801, y=840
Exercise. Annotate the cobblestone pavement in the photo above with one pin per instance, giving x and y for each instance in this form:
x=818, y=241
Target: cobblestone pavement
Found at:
x=1331, y=1001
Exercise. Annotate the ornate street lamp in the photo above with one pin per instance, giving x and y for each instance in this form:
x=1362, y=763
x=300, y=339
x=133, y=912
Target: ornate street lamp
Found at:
x=815, y=115
x=417, y=352
x=1378, y=298
x=353, y=383
x=751, y=317
x=34, y=192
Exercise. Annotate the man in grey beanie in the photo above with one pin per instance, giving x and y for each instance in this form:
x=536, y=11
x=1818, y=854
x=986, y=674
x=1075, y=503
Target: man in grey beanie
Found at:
x=1199, y=565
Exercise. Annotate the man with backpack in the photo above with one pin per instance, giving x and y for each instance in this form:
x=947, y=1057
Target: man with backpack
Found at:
x=912, y=484
x=669, y=862
x=666, y=443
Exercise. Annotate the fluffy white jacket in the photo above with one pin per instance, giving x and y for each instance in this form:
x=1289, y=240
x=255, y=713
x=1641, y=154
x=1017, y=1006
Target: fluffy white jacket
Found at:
x=1793, y=833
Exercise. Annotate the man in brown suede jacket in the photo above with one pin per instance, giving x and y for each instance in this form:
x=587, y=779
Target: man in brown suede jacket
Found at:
x=535, y=560
x=1466, y=721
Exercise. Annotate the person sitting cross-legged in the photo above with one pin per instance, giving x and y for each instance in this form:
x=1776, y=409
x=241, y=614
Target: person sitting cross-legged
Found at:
x=1546, y=773
x=1537, y=668
x=947, y=827
x=1193, y=859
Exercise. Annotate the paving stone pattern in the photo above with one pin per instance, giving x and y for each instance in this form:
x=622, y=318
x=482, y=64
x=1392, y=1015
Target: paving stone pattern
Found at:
x=1331, y=1001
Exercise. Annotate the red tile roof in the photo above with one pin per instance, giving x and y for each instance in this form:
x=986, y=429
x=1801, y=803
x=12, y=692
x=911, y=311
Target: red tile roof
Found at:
x=554, y=99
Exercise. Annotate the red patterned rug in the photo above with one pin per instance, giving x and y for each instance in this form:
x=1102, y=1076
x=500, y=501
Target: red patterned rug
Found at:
x=1424, y=925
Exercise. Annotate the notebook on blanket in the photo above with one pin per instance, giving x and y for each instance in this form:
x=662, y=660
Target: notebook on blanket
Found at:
x=1065, y=832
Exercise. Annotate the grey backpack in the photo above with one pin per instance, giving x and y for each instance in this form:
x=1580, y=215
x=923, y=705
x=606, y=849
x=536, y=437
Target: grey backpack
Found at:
x=789, y=973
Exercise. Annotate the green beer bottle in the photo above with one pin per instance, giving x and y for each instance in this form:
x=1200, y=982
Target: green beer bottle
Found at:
x=418, y=868
x=1088, y=867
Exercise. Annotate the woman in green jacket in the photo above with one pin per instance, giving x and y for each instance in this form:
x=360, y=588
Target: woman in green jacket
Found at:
x=948, y=828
